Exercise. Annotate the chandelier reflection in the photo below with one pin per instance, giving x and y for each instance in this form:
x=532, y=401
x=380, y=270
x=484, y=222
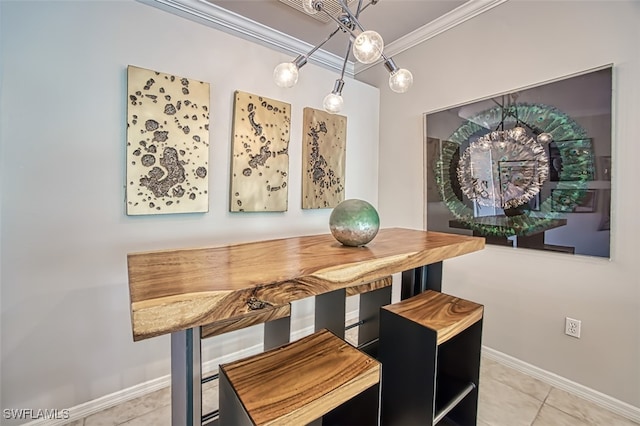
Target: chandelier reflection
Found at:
x=504, y=168
x=367, y=47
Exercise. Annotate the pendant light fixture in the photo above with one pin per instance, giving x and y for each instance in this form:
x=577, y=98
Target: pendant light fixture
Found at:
x=367, y=47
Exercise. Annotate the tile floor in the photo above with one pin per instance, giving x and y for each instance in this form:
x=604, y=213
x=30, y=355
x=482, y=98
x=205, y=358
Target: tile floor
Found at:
x=507, y=398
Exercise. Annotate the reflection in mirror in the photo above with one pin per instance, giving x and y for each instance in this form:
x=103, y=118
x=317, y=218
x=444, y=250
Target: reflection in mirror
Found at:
x=527, y=169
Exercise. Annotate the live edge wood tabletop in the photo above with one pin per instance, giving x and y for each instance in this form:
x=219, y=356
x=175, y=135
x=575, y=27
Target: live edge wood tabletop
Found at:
x=174, y=290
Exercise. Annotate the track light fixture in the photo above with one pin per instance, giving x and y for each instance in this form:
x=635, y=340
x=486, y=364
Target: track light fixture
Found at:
x=366, y=46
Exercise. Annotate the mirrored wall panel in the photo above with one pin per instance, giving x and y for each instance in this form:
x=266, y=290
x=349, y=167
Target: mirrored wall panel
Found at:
x=526, y=169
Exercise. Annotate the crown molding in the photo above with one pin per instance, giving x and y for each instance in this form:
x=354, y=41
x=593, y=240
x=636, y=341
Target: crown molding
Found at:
x=232, y=23
x=457, y=16
x=214, y=16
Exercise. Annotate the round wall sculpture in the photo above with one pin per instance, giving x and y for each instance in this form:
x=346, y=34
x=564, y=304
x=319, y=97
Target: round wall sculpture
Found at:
x=354, y=222
x=515, y=158
x=503, y=168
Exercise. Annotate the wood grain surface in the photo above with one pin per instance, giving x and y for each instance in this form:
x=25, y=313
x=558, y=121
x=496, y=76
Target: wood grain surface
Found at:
x=301, y=381
x=173, y=290
x=256, y=317
x=370, y=286
x=446, y=315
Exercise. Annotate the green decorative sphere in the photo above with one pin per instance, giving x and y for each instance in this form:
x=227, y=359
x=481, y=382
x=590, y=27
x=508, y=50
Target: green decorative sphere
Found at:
x=354, y=222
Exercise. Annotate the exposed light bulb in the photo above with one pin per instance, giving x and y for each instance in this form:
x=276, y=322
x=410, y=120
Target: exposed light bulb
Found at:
x=368, y=47
x=307, y=5
x=401, y=80
x=544, y=137
x=286, y=74
x=517, y=132
x=333, y=103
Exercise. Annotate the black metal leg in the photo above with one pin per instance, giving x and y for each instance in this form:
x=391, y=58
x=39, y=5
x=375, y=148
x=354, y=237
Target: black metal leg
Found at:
x=434, y=277
x=277, y=333
x=417, y=280
x=186, y=378
x=412, y=282
x=408, y=356
x=331, y=312
x=370, y=303
x=459, y=362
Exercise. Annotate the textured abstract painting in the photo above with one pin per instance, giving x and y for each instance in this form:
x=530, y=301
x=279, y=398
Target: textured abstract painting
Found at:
x=323, y=154
x=260, y=162
x=167, y=143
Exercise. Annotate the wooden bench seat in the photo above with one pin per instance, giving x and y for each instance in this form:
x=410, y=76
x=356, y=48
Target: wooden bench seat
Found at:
x=430, y=349
x=298, y=383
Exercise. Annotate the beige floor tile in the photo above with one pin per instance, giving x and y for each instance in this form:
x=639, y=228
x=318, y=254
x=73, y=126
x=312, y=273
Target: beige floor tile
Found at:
x=502, y=405
x=491, y=369
x=130, y=409
x=351, y=336
x=550, y=416
x=507, y=398
x=158, y=417
x=586, y=411
x=210, y=396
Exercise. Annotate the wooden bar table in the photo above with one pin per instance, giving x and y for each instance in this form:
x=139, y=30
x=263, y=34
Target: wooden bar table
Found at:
x=179, y=291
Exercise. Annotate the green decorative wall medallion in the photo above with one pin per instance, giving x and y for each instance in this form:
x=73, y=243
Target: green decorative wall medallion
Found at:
x=518, y=167
x=566, y=133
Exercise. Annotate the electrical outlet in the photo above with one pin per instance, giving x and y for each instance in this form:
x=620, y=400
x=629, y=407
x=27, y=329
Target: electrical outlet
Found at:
x=572, y=327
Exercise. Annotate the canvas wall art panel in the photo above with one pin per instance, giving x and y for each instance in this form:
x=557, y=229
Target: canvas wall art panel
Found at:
x=323, y=159
x=260, y=154
x=167, y=143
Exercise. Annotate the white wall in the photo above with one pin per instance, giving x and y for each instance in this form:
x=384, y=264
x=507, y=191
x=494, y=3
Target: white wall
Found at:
x=66, y=332
x=527, y=294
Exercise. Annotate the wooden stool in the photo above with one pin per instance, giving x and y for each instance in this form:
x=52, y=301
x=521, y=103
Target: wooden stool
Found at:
x=299, y=383
x=430, y=352
x=277, y=329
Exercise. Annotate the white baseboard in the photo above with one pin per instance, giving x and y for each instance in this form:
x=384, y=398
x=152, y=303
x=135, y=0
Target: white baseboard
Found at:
x=614, y=405
x=95, y=406
x=92, y=407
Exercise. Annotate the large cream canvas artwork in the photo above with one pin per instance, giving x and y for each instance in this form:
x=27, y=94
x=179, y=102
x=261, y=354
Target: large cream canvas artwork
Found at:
x=260, y=157
x=323, y=154
x=167, y=143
